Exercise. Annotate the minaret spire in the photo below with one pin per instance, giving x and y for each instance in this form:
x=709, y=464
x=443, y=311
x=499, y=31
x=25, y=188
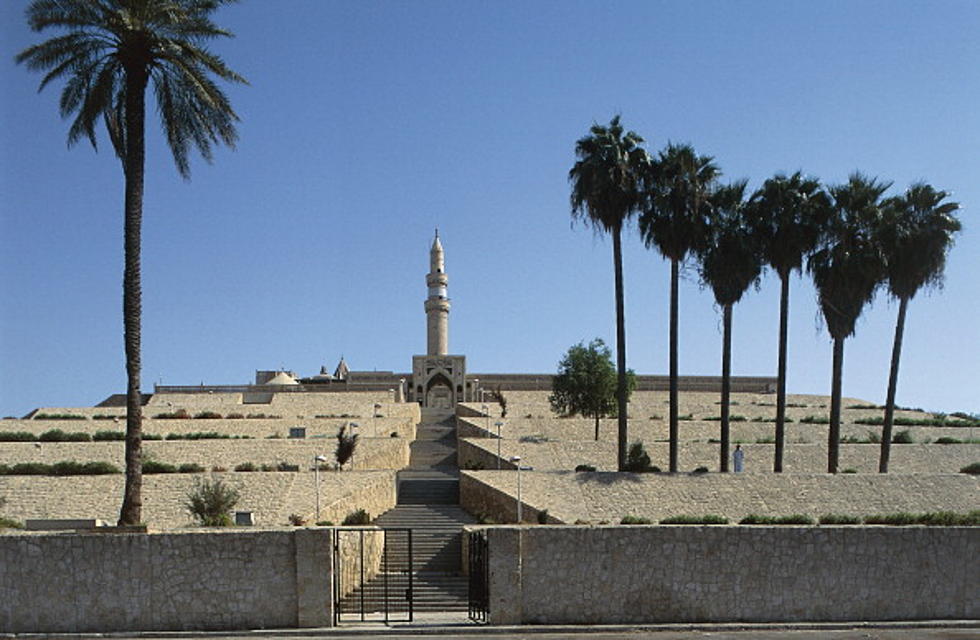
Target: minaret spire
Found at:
x=437, y=304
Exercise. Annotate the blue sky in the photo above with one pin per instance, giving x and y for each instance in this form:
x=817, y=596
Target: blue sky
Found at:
x=368, y=124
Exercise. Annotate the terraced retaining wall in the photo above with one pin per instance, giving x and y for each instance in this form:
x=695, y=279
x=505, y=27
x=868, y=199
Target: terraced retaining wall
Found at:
x=592, y=575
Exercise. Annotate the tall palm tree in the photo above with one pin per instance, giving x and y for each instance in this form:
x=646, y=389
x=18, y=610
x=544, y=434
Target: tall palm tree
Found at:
x=674, y=219
x=110, y=51
x=916, y=234
x=729, y=261
x=847, y=267
x=787, y=214
x=605, y=193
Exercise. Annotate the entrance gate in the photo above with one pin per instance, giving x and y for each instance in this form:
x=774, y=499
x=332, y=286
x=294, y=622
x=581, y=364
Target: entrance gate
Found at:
x=373, y=575
x=479, y=565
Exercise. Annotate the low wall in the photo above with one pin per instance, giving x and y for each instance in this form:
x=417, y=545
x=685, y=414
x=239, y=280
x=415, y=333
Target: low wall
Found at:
x=470, y=455
x=540, y=575
x=479, y=497
x=77, y=583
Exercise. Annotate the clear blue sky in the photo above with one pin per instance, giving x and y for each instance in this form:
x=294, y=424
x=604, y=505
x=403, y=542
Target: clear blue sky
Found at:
x=367, y=124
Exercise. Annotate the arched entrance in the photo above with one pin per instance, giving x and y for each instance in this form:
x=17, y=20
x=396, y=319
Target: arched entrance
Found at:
x=439, y=392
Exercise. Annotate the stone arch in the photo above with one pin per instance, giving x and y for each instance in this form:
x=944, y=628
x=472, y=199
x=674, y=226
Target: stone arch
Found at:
x=439, y=392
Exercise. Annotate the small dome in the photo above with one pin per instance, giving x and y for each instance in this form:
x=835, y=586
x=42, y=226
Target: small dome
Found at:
x=282, y=378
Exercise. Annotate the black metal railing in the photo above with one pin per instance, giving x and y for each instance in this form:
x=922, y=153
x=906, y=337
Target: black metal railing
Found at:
x=479, y=565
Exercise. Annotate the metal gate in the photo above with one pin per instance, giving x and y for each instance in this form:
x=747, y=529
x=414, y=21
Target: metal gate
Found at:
x=479, y=565
x=373, y=575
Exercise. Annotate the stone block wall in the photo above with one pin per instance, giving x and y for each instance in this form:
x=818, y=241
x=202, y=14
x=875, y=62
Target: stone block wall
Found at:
x=78, y=583
x=481, y=454
x=540, y=575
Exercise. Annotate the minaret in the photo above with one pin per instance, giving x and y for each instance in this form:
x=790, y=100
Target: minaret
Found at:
x=437, y=304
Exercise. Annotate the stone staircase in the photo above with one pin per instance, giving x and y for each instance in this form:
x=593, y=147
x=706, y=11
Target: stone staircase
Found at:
x=428, y=504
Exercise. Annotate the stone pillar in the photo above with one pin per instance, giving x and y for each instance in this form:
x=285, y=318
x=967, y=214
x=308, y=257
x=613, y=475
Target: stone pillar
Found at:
x=506, y=593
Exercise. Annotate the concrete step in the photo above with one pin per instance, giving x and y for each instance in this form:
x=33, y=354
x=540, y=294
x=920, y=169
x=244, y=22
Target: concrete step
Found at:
x=430, y=592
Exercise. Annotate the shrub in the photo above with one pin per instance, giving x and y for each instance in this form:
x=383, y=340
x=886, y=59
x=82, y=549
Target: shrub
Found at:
x=836, y=518
x=57, y=435
x=246, y=466
x=16, y=436
x=285, y=466
x=234, y=416
x=346, y=444
x=72, y=468
x=59, y=416
x=394, y=434
x=7, y=523
x=689, y=416
x=297, y=520
x=155, y=466
x=849, y=470
x=902, y=437
x=707, y=519
x=798, y=518
x=815, y=419
x=765, y=440
x=106, y=436
x=324, y=523
x=863, y=406
x=356, y=518
x=637, y=459
x=29, y=469
x=543, y=516
x=207, y=415
x=894, y=519
x=107, y=416
x=948, y=440
x=179, y=414
x=152, y=436
x=585, y=467
x=635, y=520
x=701, y=470
x=211, y=502
x=190, y=467
x=973, y=469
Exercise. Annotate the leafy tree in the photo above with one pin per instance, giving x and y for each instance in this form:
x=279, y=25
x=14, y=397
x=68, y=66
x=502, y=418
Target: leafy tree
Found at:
x=605, y=193
x=586, y=383
x=346, y=444
x=729, y=261
x=211, y=502
x=847, y=267
x=110, y=52
x=916, y=234
x=677, y=205
x=787, y=215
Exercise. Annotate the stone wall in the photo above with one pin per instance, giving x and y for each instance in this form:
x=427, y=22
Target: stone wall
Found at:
x=481, y=454
x=78, y=583
x=540, y=575
x=607, y=497
x=271, y=496
x=350, y=545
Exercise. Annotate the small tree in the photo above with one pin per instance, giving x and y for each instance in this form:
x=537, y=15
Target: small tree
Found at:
x=497, y=395
x=586, y=383
x=211, y=502
x=346, y=443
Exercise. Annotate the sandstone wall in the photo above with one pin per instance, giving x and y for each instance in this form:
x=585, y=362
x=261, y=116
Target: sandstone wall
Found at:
x=540, y=575
x=607, y=497
x=201, y=581
x=271, y=496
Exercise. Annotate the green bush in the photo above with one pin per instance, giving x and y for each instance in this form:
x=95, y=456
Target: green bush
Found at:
x=57, y=435
x=948, y=440
x=765, y=440
x=59, y=416
x=864, y=406
x=297, y=520
x=155, y=466
x=895, y=519
x=7, y=523
x=543, y=516
x=706, y=519
x=700, y=470
x=797, y=518
x=179, y=414
x=63, y=468
x=211, y=502
x=637, y=459
x=584, y=467
x=635, y=520
x=815, y=419
x=934, y=519
x=902, y=437
x=324, y=523
x=16, y=436
x=29, y=469
x=285, y=466
x=207, y=415
x=836, y=518
x=107, y=416
x=203, y=435
x=190, y=467
x=973, y=468
x=246, y=466
x=357, y=518
x=107, y=436
x=234, y=416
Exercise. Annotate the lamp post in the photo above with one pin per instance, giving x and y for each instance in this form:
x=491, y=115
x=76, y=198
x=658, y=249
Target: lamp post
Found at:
x=498, y=425
x=316, y=480
x=476, y=391
x=486, y=414
x=517, y=461
x=374, y=419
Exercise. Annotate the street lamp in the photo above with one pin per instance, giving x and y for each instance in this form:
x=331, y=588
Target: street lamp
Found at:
x=517, y=461
x=498, y=425
x=486, y=413
x=316, y=475
x=374, y=419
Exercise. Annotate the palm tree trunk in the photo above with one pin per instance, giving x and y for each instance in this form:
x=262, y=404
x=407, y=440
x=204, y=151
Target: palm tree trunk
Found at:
x=833, y=433
x=726, y=384
x=886, y=430
x=623, y=434
x=131, y=512
x=777, y=465
x=674, y=276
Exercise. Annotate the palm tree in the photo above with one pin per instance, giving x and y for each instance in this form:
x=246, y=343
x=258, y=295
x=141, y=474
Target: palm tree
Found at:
x=110, y=52
x=916, y=234
x=605, y=193
x=787, y=214
x=678, y=188
x=729, y=261
x=847, y=267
